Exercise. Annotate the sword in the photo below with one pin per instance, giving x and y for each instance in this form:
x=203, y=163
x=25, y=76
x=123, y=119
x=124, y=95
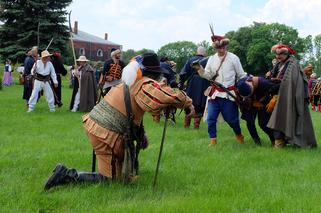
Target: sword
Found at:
x=49, y=43
x=93, y=165
x=55, y=95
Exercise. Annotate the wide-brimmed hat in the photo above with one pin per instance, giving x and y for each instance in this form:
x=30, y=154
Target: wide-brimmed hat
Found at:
x=282, y=48
x=219, y=41
x=45, y=53
x=82, y=58
x=151, y=63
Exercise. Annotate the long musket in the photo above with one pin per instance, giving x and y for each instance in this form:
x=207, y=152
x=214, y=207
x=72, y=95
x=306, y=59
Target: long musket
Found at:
x=93, y=166
x=221, y=86
x=38, y=36
x=49, y=43
x=167, y=111
x=72, y=41
x=55, y=95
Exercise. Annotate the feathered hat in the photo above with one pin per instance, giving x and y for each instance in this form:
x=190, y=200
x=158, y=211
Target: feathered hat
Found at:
x=135, y=69
x=218, y=41
x=282, y=49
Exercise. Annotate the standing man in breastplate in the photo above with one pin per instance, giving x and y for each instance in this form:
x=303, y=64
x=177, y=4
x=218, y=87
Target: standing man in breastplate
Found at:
x=112, y=71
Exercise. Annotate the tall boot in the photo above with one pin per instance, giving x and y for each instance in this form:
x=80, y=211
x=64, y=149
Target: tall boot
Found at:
x=197, y=121
x=62, y=175
x=187, y=122
x=93, y=177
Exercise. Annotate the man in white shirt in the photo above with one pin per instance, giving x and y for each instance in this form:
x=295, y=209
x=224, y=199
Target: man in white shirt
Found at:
x=223, y=67
x=43, y=70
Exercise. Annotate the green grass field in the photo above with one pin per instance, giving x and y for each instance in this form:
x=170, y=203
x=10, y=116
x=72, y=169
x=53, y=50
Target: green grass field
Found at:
x=193, y=177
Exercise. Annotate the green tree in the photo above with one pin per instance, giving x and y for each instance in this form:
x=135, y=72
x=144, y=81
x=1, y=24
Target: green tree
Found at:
x=253, y=44
x=130, y=53
x=178, y=51
x=312, y=54
x=21, y=21
x=127, y=55
x=317, y=45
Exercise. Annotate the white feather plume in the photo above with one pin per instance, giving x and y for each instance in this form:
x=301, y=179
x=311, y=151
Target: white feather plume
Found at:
x=129, y=74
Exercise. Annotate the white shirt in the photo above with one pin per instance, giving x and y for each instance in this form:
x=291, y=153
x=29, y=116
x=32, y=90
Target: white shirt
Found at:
x=40, y=68
x=230, y=71
x=20, y=69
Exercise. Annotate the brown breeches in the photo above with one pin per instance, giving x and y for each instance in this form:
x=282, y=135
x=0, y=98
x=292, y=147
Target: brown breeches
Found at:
x=110, y=159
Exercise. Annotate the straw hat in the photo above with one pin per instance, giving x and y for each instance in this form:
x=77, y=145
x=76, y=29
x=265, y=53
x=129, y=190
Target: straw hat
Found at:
x=82, y=58
x=45, y=53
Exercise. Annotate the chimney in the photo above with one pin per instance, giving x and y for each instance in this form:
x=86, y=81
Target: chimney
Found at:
x=106, y=36
x=76, y=27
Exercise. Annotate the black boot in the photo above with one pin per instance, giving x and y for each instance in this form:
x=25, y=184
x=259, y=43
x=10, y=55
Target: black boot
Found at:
x=61, y=175
x=91, y=177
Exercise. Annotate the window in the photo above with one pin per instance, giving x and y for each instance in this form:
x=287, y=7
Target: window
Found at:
x=81, y=51
x=100, y=53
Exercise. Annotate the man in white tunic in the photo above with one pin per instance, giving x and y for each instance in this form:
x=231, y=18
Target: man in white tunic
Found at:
x=42, y=71
x=223, y=67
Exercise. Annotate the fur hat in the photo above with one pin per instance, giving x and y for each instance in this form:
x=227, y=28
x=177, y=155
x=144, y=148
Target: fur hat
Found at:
x=114, y=51
x=282, y=49
x=219, y=41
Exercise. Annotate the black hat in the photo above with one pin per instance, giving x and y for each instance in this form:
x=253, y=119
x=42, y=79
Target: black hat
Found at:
x=151, y=63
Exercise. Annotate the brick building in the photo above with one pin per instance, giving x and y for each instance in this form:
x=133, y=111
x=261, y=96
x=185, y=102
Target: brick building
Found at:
x=93, y=47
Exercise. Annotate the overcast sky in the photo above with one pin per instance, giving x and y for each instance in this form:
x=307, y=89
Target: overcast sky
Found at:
x=153, y=23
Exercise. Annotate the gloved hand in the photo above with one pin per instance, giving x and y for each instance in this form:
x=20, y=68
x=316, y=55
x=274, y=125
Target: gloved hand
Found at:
x=270, y=106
